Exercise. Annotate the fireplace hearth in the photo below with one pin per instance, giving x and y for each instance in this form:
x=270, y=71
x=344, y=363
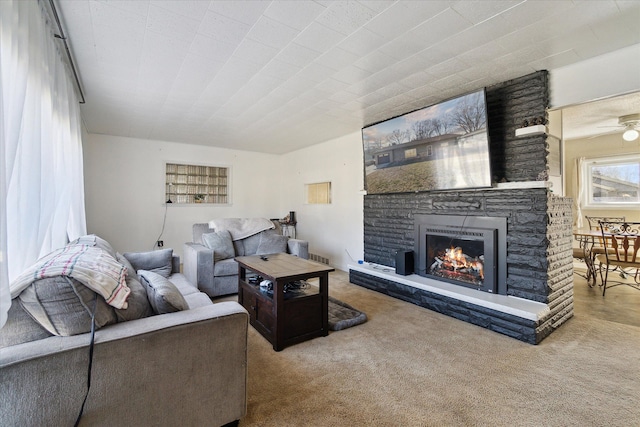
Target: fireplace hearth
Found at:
x=463, y=250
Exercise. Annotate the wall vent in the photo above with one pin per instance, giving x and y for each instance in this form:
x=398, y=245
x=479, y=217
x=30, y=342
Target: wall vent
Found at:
x=318, y=258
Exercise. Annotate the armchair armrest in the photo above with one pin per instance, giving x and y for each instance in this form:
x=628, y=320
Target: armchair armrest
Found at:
x=299, y=248
x=198, y=265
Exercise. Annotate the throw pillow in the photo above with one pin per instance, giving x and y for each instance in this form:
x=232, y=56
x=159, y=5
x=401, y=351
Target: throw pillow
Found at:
x=163, y=295
x=221, y=243
x=272, y=244
x=156, y=261
x=63, y=306
x=137, y=304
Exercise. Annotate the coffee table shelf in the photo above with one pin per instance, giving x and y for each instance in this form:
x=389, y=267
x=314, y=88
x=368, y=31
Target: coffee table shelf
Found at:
x=282, y=319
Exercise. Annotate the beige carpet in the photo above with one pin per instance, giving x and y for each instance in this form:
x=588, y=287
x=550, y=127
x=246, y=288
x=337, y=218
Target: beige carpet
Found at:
x=409, y=366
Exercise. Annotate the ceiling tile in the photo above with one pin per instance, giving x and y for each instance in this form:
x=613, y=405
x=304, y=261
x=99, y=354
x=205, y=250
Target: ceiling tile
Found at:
x=255, y=52
x=245, y=11
x=298, y=17
x=336, y=58
x=403, y=16
x=223, y=28
x=440, y=27
x=362, y=42
x=345, y=16
x=163, y=21
x=297, y=55
x=211, y=48
x=186, y=8
x=272, y=33
x=481, y=10
x=277, y=68
x=318, y=37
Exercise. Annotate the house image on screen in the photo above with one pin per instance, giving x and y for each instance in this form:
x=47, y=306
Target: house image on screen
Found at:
x=413, y=151
x=426, y=149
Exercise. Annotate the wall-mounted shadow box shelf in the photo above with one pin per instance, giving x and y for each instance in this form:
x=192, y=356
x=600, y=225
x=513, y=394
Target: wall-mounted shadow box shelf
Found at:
x=196, y=184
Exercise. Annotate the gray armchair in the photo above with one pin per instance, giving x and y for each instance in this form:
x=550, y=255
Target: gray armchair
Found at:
x=217, y=277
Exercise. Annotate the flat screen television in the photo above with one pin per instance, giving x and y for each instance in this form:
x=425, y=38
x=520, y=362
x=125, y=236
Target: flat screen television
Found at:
x=441, y=147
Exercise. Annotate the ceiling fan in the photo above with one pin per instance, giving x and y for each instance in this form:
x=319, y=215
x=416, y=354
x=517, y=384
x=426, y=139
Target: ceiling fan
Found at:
x=631, y=125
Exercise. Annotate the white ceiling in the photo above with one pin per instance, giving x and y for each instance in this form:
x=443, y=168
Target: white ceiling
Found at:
x=276, y=76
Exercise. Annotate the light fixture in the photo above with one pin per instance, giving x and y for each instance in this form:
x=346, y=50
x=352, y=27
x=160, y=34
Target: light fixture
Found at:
x=630, y=134
x=630, y=122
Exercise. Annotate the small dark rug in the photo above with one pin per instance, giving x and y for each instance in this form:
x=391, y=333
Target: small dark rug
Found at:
x=342, y=315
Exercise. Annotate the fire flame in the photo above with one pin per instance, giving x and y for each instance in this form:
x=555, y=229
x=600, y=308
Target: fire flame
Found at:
x=458, y=260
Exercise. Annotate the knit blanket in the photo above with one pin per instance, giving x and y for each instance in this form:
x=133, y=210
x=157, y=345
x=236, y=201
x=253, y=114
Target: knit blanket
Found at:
x=240, y=228
x=91, y=266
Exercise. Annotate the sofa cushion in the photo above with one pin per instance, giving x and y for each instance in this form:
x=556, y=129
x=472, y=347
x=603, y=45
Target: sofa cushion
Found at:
x=251, y=244
x=221, y=244
x=163, y=295
x=227, y=267
x=20, y=327
x=138, y=305
x=157, y=261
x=199, y=299
x=272, y=244
x=184, y=286
x=63, y=306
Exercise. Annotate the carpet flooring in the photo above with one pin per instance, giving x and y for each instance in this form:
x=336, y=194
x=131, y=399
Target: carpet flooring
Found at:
x=409, y=366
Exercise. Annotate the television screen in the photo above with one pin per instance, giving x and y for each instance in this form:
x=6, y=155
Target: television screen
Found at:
x=441, y=147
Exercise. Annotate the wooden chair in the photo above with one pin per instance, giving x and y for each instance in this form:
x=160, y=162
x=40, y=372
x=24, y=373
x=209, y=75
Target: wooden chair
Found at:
x=622, y=250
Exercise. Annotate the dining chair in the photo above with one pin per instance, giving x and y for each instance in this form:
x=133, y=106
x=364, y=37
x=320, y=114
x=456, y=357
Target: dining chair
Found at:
x=622, y=250
x=598, y=247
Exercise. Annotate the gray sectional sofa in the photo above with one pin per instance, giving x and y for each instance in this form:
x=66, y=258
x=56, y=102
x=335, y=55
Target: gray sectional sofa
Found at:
x=208, y=259
x=187, y=366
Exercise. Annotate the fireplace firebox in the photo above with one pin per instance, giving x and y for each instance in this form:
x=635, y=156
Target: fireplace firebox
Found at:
x=463, y=250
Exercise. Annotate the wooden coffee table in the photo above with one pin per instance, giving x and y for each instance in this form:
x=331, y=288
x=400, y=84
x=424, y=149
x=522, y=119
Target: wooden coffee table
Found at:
x=285, y=318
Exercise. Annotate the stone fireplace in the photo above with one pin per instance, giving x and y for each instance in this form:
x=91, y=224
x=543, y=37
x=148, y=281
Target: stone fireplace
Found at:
x=519, y=230
x=467, y=251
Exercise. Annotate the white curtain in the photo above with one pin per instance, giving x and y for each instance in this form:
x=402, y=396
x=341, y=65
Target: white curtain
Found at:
x=579, y=192
x=41, y=147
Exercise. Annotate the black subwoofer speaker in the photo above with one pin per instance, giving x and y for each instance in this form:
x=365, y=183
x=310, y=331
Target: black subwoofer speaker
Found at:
x=404, y=262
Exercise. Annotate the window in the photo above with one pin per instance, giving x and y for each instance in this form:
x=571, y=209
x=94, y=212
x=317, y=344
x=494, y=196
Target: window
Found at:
x=196, y=184
x=612, y=181
x=318, y=193
x=410, y=153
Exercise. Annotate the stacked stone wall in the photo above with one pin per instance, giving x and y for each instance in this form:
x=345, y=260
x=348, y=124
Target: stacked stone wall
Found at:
x=539, y=254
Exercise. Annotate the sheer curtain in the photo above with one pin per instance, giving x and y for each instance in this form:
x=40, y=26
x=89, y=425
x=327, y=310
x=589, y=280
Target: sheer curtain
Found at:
x=580, y=190
x=41, y=181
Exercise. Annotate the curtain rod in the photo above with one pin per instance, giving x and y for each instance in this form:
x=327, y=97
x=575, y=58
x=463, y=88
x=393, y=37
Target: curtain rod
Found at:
x=62, y=37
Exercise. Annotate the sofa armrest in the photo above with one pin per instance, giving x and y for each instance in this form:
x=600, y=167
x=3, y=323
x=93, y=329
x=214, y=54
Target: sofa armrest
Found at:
x=299, y=248
x=198, y=265
x=175, y=264
x=141, y=368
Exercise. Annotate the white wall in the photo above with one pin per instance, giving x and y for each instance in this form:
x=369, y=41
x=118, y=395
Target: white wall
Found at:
x=125, y=194
x=606, y=75
x=332, y=229
x=124, y=190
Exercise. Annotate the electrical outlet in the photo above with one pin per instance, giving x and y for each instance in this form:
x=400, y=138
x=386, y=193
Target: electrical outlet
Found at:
x=160, y=243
